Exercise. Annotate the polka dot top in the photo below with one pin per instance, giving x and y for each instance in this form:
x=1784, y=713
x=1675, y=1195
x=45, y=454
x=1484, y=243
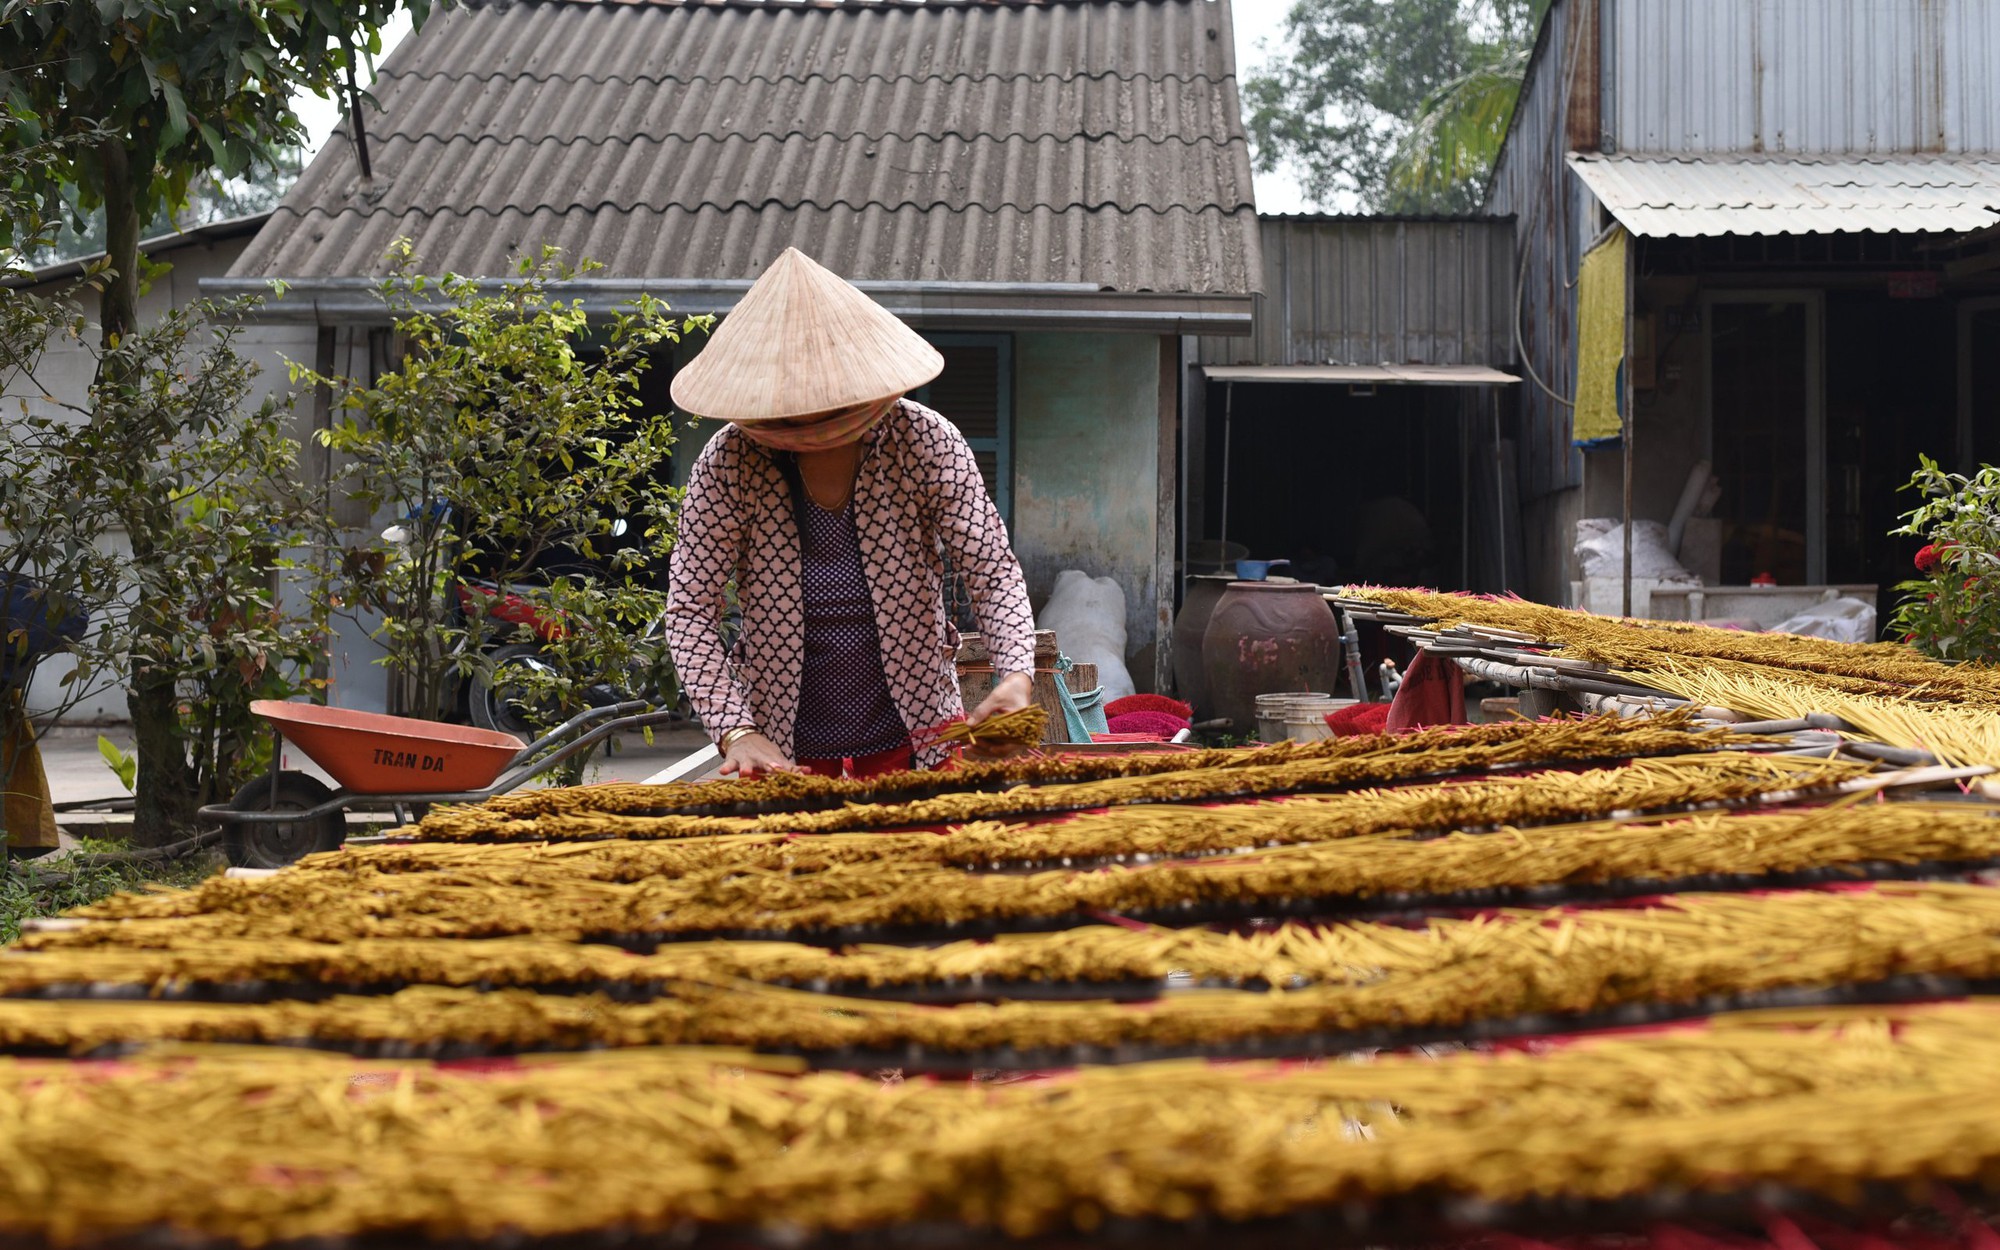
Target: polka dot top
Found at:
x=844, y=706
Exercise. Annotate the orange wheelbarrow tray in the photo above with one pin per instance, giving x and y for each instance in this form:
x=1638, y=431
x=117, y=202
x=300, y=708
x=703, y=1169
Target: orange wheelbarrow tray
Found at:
x=394, y=764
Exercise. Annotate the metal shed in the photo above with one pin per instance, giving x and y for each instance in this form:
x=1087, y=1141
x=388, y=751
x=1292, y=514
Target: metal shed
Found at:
x=1389, y=308
x=1805, y=197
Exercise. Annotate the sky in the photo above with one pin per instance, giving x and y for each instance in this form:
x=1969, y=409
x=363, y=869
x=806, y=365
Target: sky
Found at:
x=1257, y=21
x=321, y=116
x=1263, y=22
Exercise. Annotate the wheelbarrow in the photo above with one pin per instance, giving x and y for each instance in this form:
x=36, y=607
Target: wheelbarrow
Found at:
x=394, y=764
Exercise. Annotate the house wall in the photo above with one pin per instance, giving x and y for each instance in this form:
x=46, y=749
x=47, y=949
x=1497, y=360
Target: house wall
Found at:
x=1087, y=470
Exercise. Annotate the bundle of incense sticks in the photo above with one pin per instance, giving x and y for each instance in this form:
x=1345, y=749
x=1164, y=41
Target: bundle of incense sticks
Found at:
x=1954, y=733
x=1022, y=727
x=295, y=1146
x=821, y=805
x=1658, y=784
x=1884, y=669
x=919, y=899
x=1688, y=953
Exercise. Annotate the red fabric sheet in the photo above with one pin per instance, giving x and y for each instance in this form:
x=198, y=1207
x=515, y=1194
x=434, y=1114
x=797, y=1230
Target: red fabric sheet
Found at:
x=1433, y=693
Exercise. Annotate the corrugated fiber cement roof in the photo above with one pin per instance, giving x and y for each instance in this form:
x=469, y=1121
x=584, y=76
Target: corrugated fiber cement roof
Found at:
x=1672, y=197
x=1090, y=142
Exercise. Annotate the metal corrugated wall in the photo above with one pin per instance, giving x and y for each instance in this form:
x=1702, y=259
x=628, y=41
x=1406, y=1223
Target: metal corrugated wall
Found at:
x=1553, y=222
x=1346, y=290
x=1804, y=76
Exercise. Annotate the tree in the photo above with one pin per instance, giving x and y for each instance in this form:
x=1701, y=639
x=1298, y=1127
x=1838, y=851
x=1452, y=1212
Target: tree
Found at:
x=210, y=199
x=147, y=97
x=176, y=92
x=1401, y=104
x=509, y=443
x=200, y=612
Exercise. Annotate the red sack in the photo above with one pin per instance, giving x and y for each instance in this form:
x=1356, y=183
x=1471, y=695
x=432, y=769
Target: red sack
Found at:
x=1156, y=724
x=1133, y=703
x=1358, y=719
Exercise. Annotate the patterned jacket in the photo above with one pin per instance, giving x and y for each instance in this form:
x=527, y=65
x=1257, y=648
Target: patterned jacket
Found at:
x=918, y=497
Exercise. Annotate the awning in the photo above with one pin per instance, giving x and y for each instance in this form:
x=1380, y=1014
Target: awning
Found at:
x=1365, y=375
x=1677, y=197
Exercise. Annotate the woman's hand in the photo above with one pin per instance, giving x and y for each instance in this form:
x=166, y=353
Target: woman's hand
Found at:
x=1010, y=694
x=752, y=754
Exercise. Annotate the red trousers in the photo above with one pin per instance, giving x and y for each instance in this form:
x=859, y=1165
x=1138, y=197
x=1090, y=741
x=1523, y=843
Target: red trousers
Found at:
x=896, y=761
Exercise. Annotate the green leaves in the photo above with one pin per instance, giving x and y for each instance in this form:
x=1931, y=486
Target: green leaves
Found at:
x=1952, y=611
x=188, y=90
x=1391, y=102
x=123, y=764
x=505, y=440
x=1442, y=161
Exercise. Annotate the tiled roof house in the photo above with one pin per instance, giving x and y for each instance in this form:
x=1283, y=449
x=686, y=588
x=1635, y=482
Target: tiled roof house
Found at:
x=1058, y=193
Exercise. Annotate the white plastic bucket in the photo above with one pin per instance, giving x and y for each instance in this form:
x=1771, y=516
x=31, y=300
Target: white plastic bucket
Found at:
x=1305, y=719
x=1271, y=711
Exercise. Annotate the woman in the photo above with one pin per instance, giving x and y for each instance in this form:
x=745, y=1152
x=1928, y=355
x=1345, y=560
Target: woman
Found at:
x=831, y=503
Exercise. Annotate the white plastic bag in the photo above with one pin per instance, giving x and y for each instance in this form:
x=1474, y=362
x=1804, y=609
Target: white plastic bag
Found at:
x=1841, y=620
x=1600, y=548
x=1088, y=617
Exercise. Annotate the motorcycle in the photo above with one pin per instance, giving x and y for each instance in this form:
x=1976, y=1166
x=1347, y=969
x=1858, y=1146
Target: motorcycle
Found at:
x=498, y=693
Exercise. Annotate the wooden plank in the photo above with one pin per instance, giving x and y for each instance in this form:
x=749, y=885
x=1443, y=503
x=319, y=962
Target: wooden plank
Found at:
x=1166, y=471
x=972, y=651
x=975, y=678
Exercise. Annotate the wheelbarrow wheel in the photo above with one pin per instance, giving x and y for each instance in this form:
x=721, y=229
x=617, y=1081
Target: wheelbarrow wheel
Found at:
x=495, y=700
x=274, y=844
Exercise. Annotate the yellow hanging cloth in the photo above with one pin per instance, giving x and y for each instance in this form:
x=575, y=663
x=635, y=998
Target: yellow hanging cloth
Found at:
x=1600, y=337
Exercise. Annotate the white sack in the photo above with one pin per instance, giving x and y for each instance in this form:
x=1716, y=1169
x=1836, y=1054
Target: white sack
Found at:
x=1600, y=547
x=1088, y=616
x=1842, y=620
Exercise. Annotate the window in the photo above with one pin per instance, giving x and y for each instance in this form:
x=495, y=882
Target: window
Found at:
x=976, y=393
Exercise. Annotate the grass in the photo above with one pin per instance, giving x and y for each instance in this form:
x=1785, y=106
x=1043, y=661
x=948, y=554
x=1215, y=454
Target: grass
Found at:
x=54, y=884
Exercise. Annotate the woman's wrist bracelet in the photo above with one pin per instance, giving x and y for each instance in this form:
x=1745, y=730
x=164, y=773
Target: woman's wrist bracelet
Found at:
x=730, y=737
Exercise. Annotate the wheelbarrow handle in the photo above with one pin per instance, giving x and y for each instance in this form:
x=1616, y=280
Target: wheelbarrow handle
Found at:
x=574, y=723
x=525, y=765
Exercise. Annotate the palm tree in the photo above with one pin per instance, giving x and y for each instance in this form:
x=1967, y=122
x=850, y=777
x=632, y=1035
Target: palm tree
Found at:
x=1442, y=161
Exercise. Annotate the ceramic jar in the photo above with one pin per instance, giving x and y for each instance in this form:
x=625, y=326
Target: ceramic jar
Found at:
x=1204, y=591
x=1266, y=637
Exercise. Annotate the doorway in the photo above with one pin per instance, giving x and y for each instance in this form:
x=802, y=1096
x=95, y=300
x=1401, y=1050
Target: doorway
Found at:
x=1978, y=383
x=1352, y=483
x=1889, y=400
x=1767, y=433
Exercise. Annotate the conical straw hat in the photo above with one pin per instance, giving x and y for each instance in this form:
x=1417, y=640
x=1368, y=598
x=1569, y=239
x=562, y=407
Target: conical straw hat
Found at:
x=803, y=341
